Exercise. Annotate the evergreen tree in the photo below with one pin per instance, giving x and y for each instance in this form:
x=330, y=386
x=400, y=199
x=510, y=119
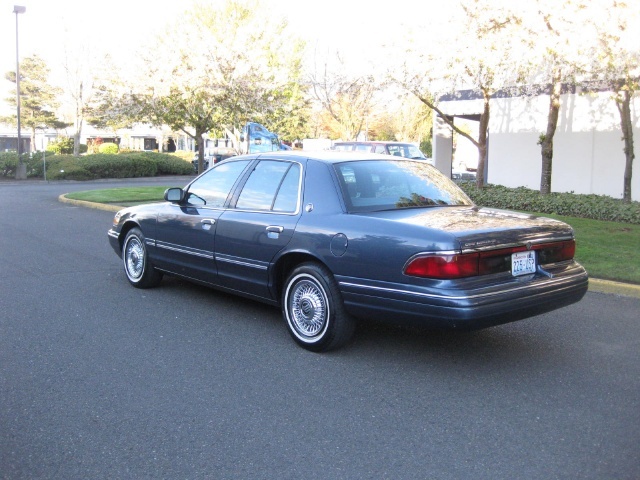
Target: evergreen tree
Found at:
x=38, y=98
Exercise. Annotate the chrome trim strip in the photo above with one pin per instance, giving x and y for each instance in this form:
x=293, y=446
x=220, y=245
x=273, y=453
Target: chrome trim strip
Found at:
x=113, y=234
x=549, y=281
x=487, y=248
x=515, y=244
x=239, y=262
x=198, y=253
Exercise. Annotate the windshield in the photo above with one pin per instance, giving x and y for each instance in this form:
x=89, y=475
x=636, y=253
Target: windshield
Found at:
x=371, y=185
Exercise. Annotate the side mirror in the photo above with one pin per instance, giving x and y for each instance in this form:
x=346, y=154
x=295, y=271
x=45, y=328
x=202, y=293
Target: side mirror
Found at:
x=174, y=195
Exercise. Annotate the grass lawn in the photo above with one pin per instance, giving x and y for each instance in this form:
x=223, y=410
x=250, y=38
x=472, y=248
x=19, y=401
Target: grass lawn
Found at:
x=608, y=250
x=121, y=196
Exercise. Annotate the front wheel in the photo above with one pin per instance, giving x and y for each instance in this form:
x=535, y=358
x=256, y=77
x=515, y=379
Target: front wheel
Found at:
x=313, y=309
x=137, y=266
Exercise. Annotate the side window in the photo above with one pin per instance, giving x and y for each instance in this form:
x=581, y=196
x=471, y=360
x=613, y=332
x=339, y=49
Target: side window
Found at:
x=273, y=185
x=342, y=147
x=212, y=189
x=363, y=148
x=287, y=196
x=395, y=150
x=380, y=149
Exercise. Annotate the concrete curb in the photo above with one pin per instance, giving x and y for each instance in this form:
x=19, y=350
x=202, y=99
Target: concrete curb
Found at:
x=82, y=203
x=595, y=284
x=615, y=288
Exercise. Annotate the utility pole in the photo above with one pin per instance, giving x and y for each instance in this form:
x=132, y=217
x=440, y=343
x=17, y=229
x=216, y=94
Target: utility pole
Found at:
x=21, y=168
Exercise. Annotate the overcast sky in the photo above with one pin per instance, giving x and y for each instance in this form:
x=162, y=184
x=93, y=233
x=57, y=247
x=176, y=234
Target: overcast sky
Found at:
x=117, y=25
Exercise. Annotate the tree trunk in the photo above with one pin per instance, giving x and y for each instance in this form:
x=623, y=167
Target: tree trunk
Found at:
x=623, y=102
x=483, y=128
x=33, y=140
x=79, y=121
x=200, y=142
x=480, y=143
x=546, y=142
x=76, y=144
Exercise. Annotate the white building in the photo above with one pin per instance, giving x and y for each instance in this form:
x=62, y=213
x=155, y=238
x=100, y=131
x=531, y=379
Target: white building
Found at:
x=588, y=154
x=141, y=137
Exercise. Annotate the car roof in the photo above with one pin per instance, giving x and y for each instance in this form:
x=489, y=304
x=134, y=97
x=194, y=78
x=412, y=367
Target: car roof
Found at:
x=326, y=156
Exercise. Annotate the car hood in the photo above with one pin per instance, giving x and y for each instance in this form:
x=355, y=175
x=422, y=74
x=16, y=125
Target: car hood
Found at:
x=477, y=228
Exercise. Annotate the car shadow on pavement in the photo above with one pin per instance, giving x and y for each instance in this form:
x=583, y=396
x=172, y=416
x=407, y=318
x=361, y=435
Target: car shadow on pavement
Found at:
x=528, y=341
x=532, y=340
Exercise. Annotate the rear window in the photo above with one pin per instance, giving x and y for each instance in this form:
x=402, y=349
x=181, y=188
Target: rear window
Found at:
x=405, y=150
x=371, y=185
x=342, y=148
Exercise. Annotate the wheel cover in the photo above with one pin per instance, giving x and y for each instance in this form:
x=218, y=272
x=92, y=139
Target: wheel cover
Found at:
x=134, y=258
x=308, y=309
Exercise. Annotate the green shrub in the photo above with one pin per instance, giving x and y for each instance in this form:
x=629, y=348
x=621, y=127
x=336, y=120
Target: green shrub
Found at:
x=108, y=148
x=9, y=161
x=426, y=148
x=62, y=145
x=94, y=166
x=171, y=165
x=596, y=207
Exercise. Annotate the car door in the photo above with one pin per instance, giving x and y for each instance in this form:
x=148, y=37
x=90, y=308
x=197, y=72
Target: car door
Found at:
x=185, y=238
x=257, y=225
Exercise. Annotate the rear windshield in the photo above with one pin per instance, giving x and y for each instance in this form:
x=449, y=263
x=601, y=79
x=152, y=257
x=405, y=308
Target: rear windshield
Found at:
x=371, y=185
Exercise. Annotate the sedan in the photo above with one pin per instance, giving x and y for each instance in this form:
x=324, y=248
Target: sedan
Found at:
x=398, y=149
x=338, y=236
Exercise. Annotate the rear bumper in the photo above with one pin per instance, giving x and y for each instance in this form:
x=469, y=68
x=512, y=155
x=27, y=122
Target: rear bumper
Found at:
x=479, y=303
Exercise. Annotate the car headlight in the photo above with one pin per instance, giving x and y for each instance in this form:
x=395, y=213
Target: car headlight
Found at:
x=116, y=218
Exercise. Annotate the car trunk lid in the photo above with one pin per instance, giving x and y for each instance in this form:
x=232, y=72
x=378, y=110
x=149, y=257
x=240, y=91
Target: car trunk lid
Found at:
x=483, y=228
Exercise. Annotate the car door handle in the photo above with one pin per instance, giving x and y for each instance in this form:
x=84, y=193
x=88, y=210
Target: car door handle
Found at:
x=207, y=223
x=275, y=229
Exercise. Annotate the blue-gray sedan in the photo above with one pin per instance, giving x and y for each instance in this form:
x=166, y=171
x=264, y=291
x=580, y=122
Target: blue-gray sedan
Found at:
x=334, y=236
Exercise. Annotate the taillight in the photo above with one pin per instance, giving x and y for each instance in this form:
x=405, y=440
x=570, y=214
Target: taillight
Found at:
x=444, y=267
x=556, y=252
x=452, y=266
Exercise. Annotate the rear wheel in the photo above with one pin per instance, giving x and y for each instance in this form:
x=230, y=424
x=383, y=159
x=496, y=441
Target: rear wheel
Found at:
x=137, y=266
x=313, y=309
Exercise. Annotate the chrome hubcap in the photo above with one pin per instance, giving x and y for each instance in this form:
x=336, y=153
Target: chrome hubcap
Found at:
x=134, y=258
x=308, y=309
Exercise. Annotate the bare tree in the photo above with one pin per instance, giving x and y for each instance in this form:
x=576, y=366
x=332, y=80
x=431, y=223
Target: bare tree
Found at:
x=616, y=66
x=347, y=98
x=479, y=54
x=79, y=63
x=559, y=45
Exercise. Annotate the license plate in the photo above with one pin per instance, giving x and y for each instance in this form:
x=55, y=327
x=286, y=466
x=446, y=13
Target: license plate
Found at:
x=523, y=263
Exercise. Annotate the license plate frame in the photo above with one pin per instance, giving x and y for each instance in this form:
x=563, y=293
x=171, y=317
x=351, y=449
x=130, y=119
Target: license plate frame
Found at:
x=523, y=263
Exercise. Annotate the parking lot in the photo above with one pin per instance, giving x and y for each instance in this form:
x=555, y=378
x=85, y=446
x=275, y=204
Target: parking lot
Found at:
x=100, y=380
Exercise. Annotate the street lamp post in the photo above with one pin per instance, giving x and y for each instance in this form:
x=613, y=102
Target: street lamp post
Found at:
x=21, y=168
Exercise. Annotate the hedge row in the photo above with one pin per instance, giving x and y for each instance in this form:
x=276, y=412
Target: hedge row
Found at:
x=596, y=207
x=150, y=164
x=92, y=167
